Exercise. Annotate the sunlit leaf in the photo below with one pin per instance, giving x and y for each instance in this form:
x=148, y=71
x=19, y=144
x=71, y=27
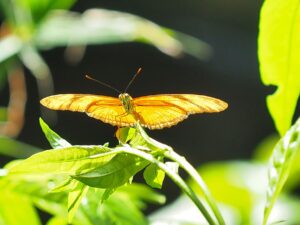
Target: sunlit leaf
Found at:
x=281, y=162
x=69, y=161
x=57, y=221
x=74, y=200
x=54, y=139
x=279, y=43
x=154, y=176
x=15, y=209
x=17, y=149
x=116, y=172
x=125, y=134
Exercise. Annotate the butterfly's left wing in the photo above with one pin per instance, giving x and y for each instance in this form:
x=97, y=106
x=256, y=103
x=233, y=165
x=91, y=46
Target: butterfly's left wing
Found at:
x=107, y=109
x=166, y=110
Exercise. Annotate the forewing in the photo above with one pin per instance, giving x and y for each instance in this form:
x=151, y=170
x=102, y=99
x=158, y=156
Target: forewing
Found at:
x=159, y=111
x=107, y=109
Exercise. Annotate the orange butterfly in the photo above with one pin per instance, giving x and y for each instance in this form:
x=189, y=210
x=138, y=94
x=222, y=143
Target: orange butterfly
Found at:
x=153, y=111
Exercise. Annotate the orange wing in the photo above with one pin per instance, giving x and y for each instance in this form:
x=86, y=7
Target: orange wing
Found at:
x=166, y=110
x=107, y=109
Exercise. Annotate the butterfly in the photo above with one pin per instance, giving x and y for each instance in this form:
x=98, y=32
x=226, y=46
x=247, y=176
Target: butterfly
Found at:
x=152, y=111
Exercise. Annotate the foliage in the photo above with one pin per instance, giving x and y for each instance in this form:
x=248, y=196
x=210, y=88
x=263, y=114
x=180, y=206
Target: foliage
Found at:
x=279, y=41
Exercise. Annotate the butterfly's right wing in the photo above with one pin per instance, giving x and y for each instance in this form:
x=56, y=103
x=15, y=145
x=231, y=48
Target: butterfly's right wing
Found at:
x=107, y=109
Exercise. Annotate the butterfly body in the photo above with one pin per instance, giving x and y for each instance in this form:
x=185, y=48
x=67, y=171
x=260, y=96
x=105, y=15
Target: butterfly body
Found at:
x=152, y=111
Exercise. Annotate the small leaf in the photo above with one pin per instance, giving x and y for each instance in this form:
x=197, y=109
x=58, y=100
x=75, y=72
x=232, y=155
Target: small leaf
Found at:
x=108, y=192
x=142, y=141
x=114, y=173
x=54, y=139
x=281, y=162
x=154, y=176
x=74, y=200
x=279, y=44
x=125, y=134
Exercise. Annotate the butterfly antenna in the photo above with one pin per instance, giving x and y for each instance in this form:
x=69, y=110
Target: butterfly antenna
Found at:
x=102, y=83
x=133, y=78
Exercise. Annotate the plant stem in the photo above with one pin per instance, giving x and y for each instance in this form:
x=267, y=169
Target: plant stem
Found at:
x=184, y=164
x=177, y=180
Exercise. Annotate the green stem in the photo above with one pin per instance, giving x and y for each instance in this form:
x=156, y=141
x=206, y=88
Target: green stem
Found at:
x=184, y=164
x=176, y=178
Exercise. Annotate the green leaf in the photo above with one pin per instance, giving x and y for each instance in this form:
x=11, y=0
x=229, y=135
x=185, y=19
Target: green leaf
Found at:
x=13, y=148
x=108, y=192
x=118, y=209
x=125, y=134
x=281, y=162
x=16, y=209
x=74, y=200
x=279, y=44
x=154, y=176
x=57, y=220
x=115, y=173
x=65, y=161
x=142, y=141
x=54, y=139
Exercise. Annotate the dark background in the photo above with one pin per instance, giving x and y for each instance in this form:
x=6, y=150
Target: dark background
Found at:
x=232, y=74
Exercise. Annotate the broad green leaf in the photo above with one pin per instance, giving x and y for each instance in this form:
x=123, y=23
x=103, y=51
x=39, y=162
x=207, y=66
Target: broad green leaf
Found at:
x=17, y=149
x=54, y=139
x=154, y=176
x=16, y=209
x=279, y=44
x=74, y=200
x=281, y=162
x=10, y=46
x=65, y=161
x=115, y=173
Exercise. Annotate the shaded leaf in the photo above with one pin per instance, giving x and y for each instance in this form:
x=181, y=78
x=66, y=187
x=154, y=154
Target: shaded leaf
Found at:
x=115, y=173
x=154, y=176
x=281, y=162
x=279, y=41
x=54, y=139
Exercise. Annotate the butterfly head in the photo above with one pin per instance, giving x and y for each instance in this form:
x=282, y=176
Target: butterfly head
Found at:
x=126, y=100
